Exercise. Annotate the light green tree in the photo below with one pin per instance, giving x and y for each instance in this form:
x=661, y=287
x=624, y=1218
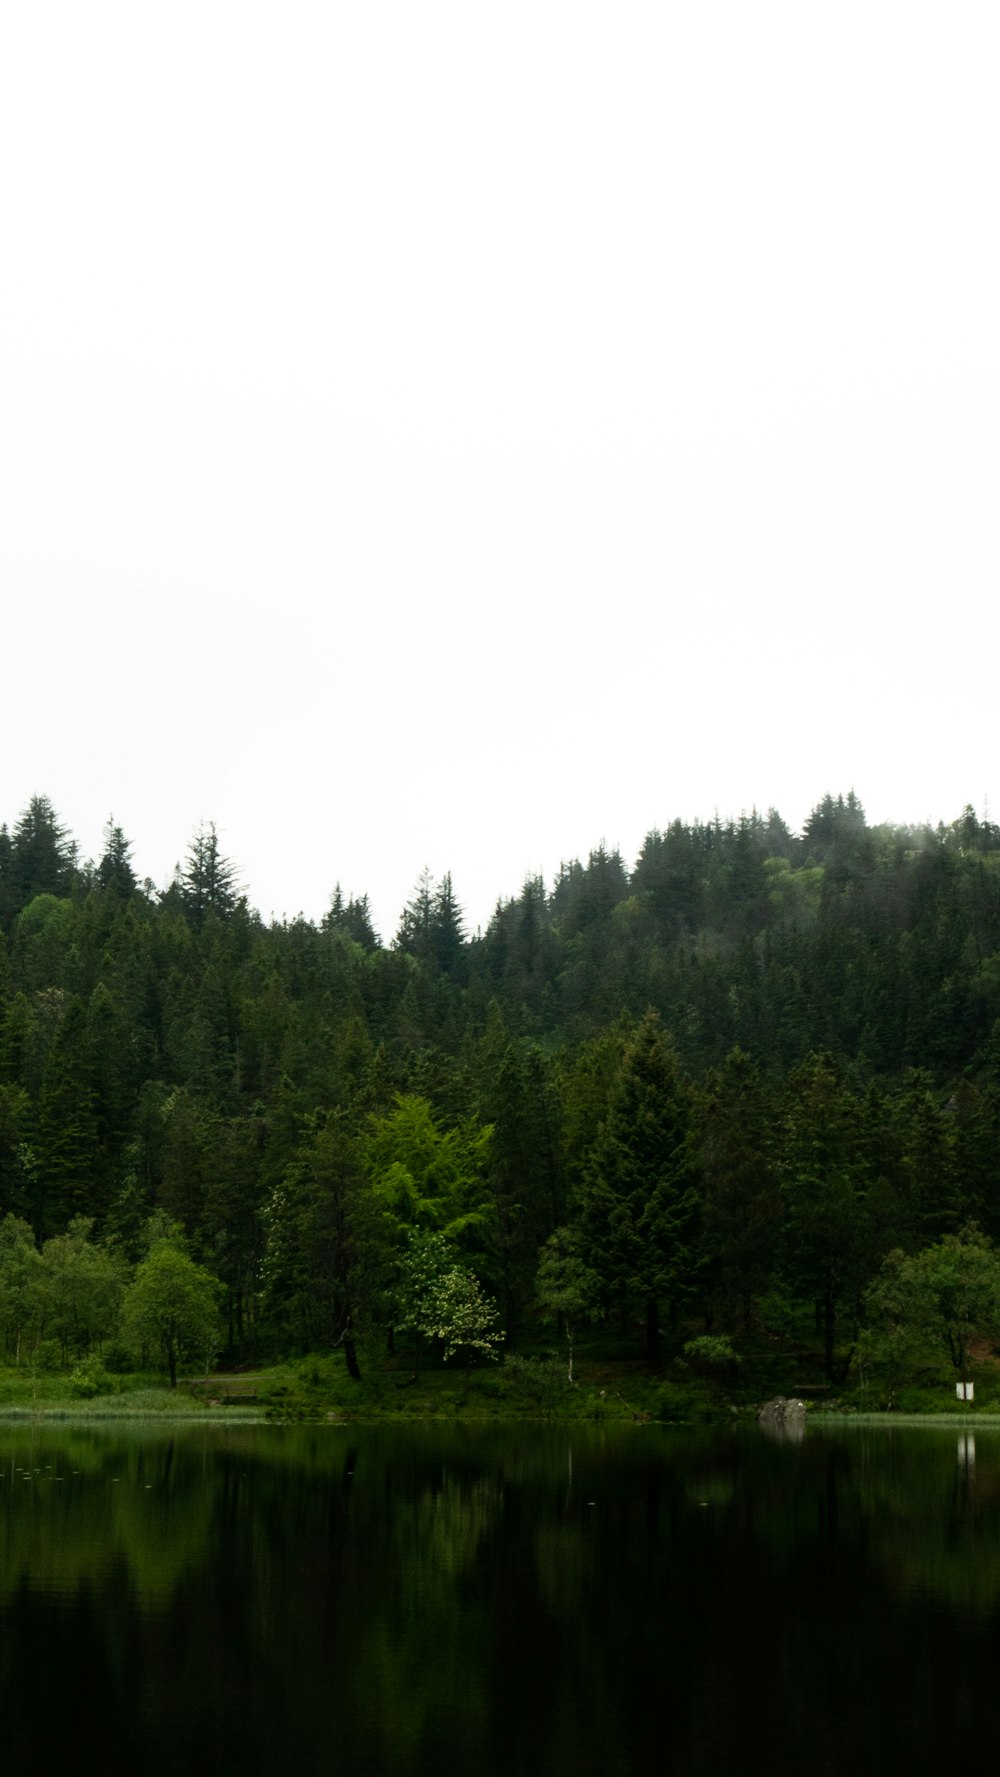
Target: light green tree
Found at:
x=440, y=1299
x=566, y=1286
x=428, y=1177
x=82, y=1287
x=172, y=1308
x=946, y=1296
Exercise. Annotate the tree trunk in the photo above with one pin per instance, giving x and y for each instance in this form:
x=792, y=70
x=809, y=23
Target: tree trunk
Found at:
x=172, y=1366
x=351, y=1354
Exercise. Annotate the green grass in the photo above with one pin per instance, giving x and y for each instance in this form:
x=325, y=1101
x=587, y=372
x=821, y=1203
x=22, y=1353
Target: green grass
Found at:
x=51, y=1395
x=523, y=1386
x=612, y=1384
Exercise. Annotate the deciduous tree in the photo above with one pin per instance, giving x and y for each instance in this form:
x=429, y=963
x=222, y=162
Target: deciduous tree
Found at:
x=172, y=1308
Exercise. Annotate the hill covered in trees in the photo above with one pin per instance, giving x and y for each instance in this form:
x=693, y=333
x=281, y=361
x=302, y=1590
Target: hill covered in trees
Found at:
x=717, y=1084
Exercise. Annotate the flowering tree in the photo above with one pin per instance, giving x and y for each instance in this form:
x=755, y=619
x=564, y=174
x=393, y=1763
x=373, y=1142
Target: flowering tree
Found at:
x=440, y=1299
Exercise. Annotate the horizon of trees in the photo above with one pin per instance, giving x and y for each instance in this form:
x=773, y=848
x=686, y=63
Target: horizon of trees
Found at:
x=726, y=1082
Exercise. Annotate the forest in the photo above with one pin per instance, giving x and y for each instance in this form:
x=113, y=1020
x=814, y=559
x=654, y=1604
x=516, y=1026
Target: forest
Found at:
x=750, y=1080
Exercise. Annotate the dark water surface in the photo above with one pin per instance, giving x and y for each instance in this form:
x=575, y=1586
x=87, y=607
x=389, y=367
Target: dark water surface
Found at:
x=478, y=1601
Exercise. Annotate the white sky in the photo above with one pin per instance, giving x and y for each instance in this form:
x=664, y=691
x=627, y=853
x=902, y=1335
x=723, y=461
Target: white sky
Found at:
x=455, y=434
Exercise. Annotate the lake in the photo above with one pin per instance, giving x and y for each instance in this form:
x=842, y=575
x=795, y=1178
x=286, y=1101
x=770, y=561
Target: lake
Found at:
x=525, y=1599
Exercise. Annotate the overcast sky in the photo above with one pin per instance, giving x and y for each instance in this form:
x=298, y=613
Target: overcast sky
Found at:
x=452, y=435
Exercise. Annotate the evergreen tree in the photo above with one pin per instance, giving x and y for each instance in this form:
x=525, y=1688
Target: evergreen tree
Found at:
x=447, y=934
x=353, y=918
x=8, y=896
x=830, y=1253
x=743, y=1207
x=42, y=857
x=524, y=1172
x=208, y=880
x=640, y=1203
x=416, y=923
x=324, y=1247
x=115, y=868
x=70, y=1177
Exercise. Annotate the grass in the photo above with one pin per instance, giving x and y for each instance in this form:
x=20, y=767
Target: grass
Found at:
x=531, y=1385
x=612, y=1384
x=52, y=1395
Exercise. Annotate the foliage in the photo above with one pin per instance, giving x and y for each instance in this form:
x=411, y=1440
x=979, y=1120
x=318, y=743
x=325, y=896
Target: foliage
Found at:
x=565, y=1285
x=171, y=1308
x=712, y=1354
x=945, y=1296
x=639, y=1202
x=90, y=1378
x=430, y=1177
x=325, y=1238
x=82, y=1289
x=297, y=1099
x=22, y=1310
x=440, y=1299
x=540, y=1381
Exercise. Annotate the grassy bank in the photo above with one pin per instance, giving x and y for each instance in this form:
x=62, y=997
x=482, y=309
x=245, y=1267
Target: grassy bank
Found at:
x=611, y=1383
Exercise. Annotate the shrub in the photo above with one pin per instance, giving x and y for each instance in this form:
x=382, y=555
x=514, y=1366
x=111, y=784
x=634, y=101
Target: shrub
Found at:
x=538, y=1380
x=88, y=1379
x=712, y=1355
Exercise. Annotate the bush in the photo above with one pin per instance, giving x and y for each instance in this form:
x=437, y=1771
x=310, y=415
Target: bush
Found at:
x=90, y=1378
x=679, y=1404
x=712, y=1355
x=538, y=1380
x=672, y=1403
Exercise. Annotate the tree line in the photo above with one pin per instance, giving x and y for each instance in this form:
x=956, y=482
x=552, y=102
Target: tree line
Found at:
x=718, y=1086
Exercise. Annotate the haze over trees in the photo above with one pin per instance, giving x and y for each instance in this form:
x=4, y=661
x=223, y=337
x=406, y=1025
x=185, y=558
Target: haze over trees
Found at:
x=701, y=1091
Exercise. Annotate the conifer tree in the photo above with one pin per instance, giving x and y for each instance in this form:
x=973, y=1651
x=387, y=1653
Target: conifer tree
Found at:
x=42, y=857
x=208, y=881
x=640, y=1201
x=447, y=933
x=115, y=868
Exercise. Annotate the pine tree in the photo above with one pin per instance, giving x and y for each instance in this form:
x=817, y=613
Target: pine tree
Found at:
x=323, y=1257
x=42, y=857
x=743, y=1204
x=447, y=932
x=640, y=1201
x=208, y=881
x=353, y=918
x=115, y=868
x=416, y=922
x=70, y=1177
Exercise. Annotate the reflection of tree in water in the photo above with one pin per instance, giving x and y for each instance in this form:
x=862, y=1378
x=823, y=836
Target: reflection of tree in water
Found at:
x=421, y=1602
x=935, y=1519
x=98, y=1511
x=438, y=1535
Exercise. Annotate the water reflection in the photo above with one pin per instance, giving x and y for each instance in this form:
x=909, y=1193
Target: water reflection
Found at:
x=354, y=1600
x=967, y=1452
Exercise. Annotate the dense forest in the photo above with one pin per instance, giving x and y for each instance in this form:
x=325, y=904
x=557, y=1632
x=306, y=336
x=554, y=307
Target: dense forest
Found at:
x=708, y=1090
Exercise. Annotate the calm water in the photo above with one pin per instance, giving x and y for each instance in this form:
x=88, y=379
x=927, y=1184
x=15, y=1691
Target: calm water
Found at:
x=530, y=1600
